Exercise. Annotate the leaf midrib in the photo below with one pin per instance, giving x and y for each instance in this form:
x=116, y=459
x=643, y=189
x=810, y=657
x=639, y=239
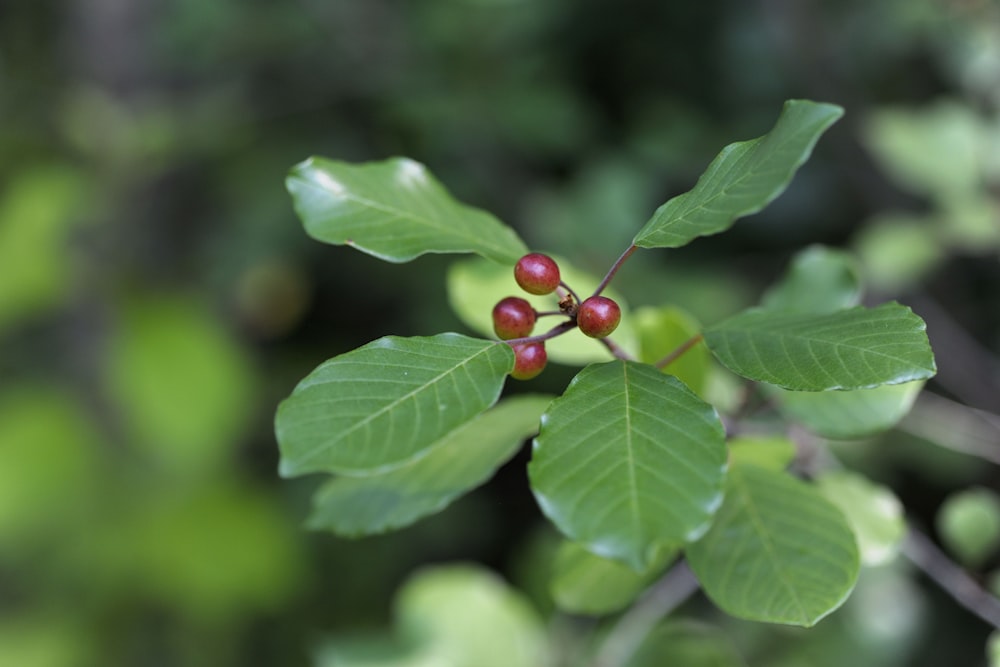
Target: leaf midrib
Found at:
x=323, y=448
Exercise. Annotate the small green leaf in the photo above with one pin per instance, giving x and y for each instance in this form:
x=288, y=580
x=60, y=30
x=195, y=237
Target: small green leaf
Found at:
x=464, y=615
x=687, y=643
x=629, y=460
x=820, y=280
x=777, y=551
x=585, y=583
x=969, y=524
x=475, y=285
x=771, y=452
x=383, y=404
x=743, y=179
x=663, y=330
x=462, y=460
x=873, y=511
x=394, y=210
x=848, y=414
x=849, y=349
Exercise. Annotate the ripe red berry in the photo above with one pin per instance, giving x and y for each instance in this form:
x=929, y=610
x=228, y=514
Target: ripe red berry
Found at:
x=537, y=273
x=598, y=316
x=513, y=317
x=529, y=360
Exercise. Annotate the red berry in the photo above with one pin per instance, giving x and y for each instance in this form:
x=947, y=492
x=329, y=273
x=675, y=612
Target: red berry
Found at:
x=598, y=316
x=513, y=317
x=529, y=360
x=537, y=273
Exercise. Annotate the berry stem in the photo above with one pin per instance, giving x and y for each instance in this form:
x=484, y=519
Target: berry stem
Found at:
x=614, y=269
x=557, y=330
x=569, y=289
x=681, y=349
x=616, y=349
x=546, y=313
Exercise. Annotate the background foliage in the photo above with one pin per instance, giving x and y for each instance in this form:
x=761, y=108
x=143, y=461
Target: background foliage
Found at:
x=158, y=296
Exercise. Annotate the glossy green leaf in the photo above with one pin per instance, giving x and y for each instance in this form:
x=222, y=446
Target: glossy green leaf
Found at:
x=743, y=179
x=460, y=461
x=385, y=403
x=585, y=583
x=395, y=210
x=969, y=524
x=849, y=349
x=777, y=551
x=450, y=616
x=819, y=280
x=475, y=285
x=663, y=330
x=873, y=512
x=848, y=414
x=629, y=460
x=771, y=452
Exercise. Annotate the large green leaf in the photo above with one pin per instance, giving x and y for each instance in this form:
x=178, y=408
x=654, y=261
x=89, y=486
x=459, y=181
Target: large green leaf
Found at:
x=742, y=179
x=777, y=551
x=585, y=583
x=394, y=210
x=460, y=461
x=848, y=414
x=475, y=285
x=819, y=280
x=849, y=349
x=629, y=460
x=377, y=407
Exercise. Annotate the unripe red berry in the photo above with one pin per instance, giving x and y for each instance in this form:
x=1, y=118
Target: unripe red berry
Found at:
x=598, y=316
x=537, y=273
x=513, y=317
x=529, y=360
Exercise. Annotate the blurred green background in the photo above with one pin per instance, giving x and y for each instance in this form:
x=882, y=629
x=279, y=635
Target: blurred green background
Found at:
x=158, y=296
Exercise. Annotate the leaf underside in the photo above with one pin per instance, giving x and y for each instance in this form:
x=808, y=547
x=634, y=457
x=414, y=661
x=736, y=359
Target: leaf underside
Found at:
x=743, y=179
x=856, y=348
x=462, y=460
x=629, y=460
x=777, y=551
x=395, y=210
x=383, y=404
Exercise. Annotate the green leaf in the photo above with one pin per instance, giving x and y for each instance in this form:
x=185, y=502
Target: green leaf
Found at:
x=819, y=280
x=849, y=349
x=743, y=179
x=969, y=524
x=462, y=460
x=475, y=285
x=848, y=414
x=629, y=460
x=585, y=583
x=663, y=330
x=394, y=210
x=872, y=510
x=687, y=643
x=771, y=452
x=777, y=551
x=379, y=406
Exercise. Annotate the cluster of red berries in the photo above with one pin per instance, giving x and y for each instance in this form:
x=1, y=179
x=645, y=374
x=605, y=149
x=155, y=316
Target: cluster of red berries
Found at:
x=513, y=317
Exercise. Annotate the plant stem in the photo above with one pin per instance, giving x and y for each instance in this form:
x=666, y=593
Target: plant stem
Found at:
x=634, y=626
x=616, y=350
x=923, y=553
x=681, y=349
x=614, y=269
x=557, y=330
x=569, y=289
